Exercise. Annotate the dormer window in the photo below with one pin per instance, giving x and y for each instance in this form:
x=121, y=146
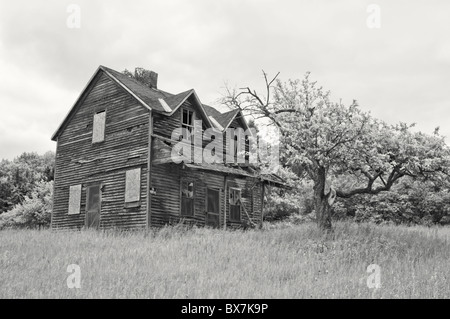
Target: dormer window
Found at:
x=241, y=145
x=187, y=121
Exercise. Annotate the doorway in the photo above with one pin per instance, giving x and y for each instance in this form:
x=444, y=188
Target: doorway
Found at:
x=212, y=207
x=93, y=198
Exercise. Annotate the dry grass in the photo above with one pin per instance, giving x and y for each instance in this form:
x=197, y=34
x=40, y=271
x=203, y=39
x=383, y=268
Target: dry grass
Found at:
x=289, y=262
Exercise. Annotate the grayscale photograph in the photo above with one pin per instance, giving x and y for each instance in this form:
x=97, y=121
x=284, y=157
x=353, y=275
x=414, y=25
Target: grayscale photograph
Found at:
x=227, y=157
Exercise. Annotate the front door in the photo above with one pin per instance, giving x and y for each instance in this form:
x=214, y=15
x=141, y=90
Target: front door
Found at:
x=93, y=206
x=212, y=207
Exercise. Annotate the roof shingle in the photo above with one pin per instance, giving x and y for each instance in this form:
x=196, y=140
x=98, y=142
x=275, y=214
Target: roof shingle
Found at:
x=150, y=97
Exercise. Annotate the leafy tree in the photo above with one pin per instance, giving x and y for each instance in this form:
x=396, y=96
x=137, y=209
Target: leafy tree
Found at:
x=409, y=202
x=34, y=211
x=282, y=204
x=325, y=141
x=146, y=77
x=19, y=177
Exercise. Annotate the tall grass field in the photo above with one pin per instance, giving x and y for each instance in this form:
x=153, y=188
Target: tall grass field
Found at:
x=275, y=262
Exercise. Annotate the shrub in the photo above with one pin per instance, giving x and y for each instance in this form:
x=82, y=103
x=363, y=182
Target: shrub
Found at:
x=33, y=212
x=283, y=203
x=410, y=202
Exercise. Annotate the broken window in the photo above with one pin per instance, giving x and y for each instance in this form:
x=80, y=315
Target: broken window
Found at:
x=98, y=131
x=187, y=198
x=241, y=146
x=187, y=122
x=235, y=204
x=74, y=199
x=236, y=149
x=247, y=149
x=133, y=186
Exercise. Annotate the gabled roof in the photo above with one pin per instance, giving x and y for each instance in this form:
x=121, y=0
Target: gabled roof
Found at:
x=156, y=99
x=176, y=100
x=173, y=102
x=225, y=119
x=146, y=94
x=228, y=117
x=151, y=98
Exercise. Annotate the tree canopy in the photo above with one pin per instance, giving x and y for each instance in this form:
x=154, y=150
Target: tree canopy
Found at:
x=19, y=177
x=326, y=140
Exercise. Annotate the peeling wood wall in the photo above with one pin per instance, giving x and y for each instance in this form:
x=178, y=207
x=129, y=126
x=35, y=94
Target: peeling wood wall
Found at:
x=164, y=125
x=166, y=178
x=78, y=161
x=250, y=197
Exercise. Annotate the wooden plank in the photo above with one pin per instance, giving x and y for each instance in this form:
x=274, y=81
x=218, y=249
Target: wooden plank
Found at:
x=78, y=161
x=133, y=185
x=149, y=171
x=74, y=199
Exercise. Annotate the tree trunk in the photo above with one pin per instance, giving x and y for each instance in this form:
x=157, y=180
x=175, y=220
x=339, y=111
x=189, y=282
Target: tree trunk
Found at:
x=322, y=201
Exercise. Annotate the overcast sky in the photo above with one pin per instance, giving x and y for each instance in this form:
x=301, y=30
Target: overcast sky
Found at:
x=399, y=71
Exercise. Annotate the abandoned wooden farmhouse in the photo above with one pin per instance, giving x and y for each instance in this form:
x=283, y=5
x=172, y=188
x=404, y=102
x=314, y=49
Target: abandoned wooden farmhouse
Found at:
x=114, y=167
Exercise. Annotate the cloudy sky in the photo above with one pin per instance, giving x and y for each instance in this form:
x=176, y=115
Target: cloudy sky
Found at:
x=399, y=71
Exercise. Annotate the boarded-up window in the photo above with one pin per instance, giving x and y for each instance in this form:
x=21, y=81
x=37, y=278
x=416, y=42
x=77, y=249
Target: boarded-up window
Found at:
x=133, y=185
x=98, y=131
x=74, y=199
x=187, y=198
x=235, y=204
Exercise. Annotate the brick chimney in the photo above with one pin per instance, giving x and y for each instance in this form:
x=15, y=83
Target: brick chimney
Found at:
x=146, y=77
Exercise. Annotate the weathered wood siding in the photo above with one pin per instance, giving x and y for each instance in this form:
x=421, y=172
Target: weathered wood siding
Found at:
x=251, y=199
x=166, y=178
x=78, y=161
x=125, y=147
x=257, y=202
x=164, y=125
x=233, y=125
